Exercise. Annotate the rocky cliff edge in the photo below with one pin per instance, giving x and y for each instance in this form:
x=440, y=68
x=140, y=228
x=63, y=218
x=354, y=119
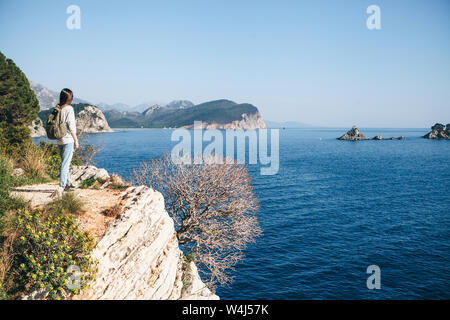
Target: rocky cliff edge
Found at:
x=137, y=251
x=139, y=258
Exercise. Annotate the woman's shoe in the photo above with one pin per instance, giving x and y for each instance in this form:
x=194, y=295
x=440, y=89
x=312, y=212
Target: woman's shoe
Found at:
x=69, y=187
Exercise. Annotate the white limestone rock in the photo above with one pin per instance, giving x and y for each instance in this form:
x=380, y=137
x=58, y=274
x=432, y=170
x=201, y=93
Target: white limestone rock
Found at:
x=139, y=258
x=80, y=173
x=37, y=128
x=92, y=120
x=251, y=121
x=197, y=290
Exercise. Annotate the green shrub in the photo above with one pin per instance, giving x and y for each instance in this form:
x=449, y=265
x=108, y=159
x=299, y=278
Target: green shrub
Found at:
x=18, y=106
x=52, y=158
x=26, y=180
x=6, y=181
x=92, y=183
x=14, y=202
x=45, y=248
x=53, y=166
x=186, y=278
x=119, y=186
x=33, y=161
x=8, y=202
x=87, y=183
x=68, y=203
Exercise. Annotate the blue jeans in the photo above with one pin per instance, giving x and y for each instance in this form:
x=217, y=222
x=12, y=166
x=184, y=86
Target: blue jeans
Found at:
x=66, y=153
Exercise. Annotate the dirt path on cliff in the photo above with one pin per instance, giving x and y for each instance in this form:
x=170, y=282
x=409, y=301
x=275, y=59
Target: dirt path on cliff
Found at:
x=95, y=202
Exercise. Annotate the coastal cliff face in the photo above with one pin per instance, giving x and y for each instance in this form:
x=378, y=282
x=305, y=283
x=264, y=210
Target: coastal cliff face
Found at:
x=251, y=121
x=138, y=256
x=92, y=120
x=248, y=122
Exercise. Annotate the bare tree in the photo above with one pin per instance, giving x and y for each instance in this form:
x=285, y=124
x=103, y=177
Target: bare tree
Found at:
x=214, y=209
x=86, y=153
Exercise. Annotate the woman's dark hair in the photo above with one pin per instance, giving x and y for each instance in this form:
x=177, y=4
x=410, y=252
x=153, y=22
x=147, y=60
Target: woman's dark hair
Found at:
x=64, y=96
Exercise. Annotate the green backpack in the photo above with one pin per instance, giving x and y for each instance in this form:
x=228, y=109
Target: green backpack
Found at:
x=55, y=127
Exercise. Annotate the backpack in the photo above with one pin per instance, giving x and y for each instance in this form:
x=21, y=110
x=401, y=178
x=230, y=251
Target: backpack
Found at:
x=55, y=127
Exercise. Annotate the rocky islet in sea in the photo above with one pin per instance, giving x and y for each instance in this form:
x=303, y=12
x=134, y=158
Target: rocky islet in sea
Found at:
x=355, y=135
x=439, y=131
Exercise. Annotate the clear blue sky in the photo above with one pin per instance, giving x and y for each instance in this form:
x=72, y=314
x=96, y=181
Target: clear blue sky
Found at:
x=308, y=61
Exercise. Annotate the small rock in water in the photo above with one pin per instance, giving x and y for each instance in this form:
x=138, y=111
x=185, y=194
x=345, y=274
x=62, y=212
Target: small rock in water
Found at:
x=353, y=134
x=439, y=131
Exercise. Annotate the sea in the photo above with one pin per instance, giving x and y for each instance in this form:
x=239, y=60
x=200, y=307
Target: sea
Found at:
x=333, y=209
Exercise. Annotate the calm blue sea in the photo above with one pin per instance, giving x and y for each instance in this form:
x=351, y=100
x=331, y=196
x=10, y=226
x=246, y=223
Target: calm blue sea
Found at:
x=334, y=208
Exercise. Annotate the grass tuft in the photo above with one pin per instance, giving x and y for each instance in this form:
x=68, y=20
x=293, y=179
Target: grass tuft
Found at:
x=186, y=278
x=69, y=203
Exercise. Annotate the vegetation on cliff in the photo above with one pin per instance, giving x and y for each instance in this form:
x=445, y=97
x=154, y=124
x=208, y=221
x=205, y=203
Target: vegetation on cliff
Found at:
x=46, y=252
x=18, y=106
x=37, y=247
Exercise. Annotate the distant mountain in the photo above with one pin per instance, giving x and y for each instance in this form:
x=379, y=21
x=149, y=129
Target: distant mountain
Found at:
x=123, y=119
x=218, y=114
x=48, y=98
x=151, y=110
x=142, y=107
x=176, y=104
x=287, y=124
x=117, y=106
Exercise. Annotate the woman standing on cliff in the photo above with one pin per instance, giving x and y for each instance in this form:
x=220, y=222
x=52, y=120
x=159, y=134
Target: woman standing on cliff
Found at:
x=69, y=142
